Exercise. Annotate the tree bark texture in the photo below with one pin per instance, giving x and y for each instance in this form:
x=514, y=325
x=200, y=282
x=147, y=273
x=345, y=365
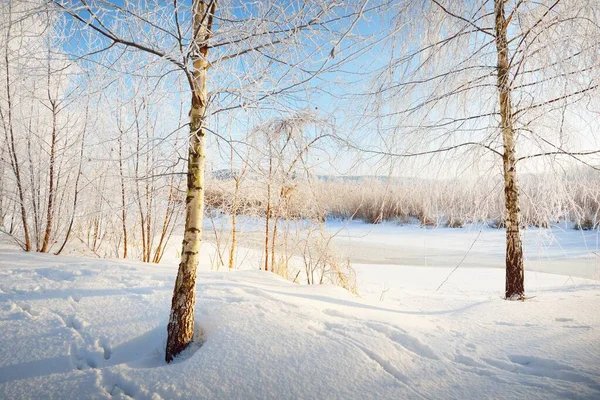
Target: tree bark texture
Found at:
x=11, y=145
x=50, y=207
x=181, y=322
x=515, y=286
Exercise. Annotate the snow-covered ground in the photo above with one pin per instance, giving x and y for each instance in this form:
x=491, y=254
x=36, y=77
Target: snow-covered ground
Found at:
x=77, y=327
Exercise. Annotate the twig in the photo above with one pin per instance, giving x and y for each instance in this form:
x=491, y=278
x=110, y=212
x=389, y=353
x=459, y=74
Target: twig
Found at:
x=461, y=261
x=385, y=290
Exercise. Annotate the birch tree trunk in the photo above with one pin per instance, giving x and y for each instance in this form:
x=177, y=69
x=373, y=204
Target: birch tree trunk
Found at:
x=268, y=216
x=234, y=210
x=50, y=207
x=514, y=288
x=123, y=202
x=76, y=189
x=181, y=322
x=2, y=188
x=10, y=139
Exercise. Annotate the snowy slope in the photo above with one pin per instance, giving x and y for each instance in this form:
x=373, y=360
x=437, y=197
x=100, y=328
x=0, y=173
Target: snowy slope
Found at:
x=89, y=328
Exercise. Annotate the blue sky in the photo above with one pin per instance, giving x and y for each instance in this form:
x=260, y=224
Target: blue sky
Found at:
x=330, y=95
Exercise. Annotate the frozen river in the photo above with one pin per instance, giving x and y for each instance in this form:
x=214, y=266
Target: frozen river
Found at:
x=556, y=250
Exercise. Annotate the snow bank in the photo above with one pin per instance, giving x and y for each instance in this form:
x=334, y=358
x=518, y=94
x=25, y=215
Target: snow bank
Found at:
x=87, y=328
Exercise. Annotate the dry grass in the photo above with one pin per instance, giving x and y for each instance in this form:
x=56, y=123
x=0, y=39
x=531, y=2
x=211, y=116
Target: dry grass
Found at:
x=544, y=200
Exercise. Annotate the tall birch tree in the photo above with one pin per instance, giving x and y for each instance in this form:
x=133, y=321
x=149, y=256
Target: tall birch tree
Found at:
x=502, y=80
x=250, y=53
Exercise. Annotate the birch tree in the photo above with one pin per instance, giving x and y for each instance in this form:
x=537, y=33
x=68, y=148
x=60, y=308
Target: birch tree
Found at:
x=42, y=123
x=250, y=53
x=503, y=80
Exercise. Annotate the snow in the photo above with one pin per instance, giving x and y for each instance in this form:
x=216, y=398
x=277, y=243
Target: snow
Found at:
x=558, y=250
x=77, y=327
x=558, y=241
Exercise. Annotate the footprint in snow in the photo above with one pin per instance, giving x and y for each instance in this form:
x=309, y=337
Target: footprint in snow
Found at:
x=577, y=327
x=544, y=368
x=26, y=308
x=82, y=358
x=525, y=325
x=120, y=387
x=338, y=314
x=263, y=294
x=72, y=322
x=572, y=326
x=234, y=299
x=471, y=346
x=106, y=348
x=405, y=340
x=75, y=298
x=75, y=322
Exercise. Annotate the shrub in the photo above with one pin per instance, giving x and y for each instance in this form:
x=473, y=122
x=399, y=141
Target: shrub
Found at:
x=585, y=224
x=455, y=223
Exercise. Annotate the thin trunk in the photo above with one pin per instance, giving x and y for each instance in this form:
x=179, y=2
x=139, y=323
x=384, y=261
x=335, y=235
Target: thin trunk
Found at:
x=273, y=242
x=76, y=190
x=137, y=184
x=98, y=237
x=268, y=215
x=59, y=201
x=35, y=190
x=163, y=233
x=49, y=209
x=36, y=186
x=96, y=233
x=515, y=286
x=181, y=321
x=233, y=241
x=149, y=191
x=148, y=223
x=220, y=261
x=11, y=147
x=123, y=200
x=2, y=188
x=169, y=213
x=11, y=229
x=162, y=243
x=234, y=208
x=165, y=226
x=169, y=234
x=267, y=236
x=278, y=214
